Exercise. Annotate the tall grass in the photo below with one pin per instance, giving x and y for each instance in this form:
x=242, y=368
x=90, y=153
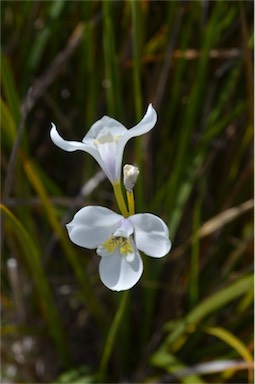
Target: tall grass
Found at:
x=190, y=317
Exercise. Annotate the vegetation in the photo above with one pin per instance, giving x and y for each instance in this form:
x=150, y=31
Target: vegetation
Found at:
x=190, y=317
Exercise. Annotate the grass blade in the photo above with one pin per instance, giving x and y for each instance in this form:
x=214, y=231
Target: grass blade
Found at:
x=233, y=342
x=67, y=247
x=33, y=260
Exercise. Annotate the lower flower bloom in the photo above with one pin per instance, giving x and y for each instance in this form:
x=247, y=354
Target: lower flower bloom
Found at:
x=118, y=240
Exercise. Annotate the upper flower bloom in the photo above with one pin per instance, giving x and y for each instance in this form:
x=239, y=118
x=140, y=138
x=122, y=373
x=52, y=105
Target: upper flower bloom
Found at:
x=105, y=141
x=118, y=241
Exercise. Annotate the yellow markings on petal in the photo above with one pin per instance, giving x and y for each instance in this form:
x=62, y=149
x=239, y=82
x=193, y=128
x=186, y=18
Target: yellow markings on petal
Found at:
x=111, y=244
x=107, y=138
x=124, y=245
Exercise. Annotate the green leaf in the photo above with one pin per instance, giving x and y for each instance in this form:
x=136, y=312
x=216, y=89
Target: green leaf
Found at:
x=205, y=308
x=9, y=89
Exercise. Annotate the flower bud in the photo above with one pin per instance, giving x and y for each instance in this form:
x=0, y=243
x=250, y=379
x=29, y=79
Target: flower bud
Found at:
x=130, y=176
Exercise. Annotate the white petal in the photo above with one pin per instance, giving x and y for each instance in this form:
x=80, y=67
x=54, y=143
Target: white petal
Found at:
x=144, y=126
x=120, y=272
x=66, y=145
x=92, y=226
x=107, y=164
x=125, y=230
x=71, y=146
x=106, y=132
x=107, y=160
x=151, y=234
x=104, y=126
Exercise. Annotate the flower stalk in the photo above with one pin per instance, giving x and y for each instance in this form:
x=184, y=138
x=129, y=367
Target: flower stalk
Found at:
x=108, y=346
x=120, y=199
x=131, y=202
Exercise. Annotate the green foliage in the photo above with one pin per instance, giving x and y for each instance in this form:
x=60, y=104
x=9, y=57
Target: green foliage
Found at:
x=71, y=62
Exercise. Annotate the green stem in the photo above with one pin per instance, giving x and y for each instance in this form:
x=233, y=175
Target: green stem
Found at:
x=131, y=202
x=120, y=199
x=108, y=346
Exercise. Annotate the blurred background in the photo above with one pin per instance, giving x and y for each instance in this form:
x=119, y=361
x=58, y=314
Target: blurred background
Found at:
x=190, y=317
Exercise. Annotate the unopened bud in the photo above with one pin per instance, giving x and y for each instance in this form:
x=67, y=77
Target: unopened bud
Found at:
x=130, y=176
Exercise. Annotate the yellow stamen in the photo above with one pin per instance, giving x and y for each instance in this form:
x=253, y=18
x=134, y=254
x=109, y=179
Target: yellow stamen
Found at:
x=125, y=246
x=111, y=244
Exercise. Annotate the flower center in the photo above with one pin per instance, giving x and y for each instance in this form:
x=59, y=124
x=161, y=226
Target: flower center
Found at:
x=113, y=242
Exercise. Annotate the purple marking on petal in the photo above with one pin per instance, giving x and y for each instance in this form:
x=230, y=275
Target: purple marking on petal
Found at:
x=125, y=230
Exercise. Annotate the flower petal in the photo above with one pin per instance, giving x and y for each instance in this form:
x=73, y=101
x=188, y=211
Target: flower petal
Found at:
x=104, y=126
x=151, y=234
x=107, y=159
x=66, y=145
x=92, y=226
x=107, y=163
x=125, y=230
x=144, y=126
x=104, y=135
x=105, y=141
x=119, y=272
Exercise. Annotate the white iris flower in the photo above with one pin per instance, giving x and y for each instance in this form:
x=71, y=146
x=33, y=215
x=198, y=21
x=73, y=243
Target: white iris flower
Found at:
x=118, y=241
x=106, y=140
x=117, y=238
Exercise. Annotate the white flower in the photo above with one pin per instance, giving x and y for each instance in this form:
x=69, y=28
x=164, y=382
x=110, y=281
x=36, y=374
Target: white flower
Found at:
x=106, y=140
x=117, y=240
